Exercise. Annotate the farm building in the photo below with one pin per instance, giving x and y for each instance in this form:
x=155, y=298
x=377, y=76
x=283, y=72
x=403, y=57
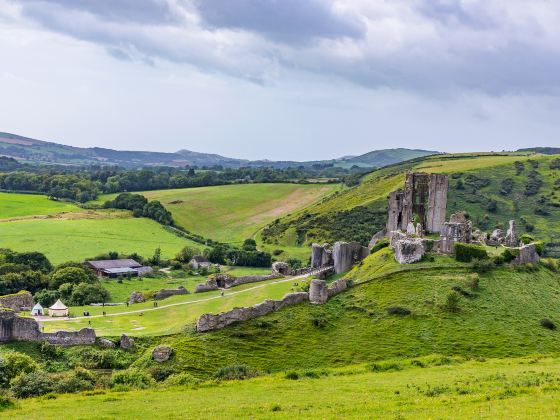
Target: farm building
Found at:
x=198, y=261
x=58, y=309
x=117, y=268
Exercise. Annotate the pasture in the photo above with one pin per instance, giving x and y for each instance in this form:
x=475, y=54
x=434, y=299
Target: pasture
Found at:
x=172, y=314
x=233, y=213
x=67, y=239
x=421, y=388
x=22, y=205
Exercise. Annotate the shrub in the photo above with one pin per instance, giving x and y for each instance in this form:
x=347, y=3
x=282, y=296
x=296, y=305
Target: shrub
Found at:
x=539, y=247
x=452, y=302
x=510, y=254
x=72, y=383
x=507, y=186
x=474, y=281
x=319, y=319
x=5, y=402
x=384, y=366
x=277, y=252
x=132, y=378
x=482, y=266
x=13, y=364
x=181, y=379
x=469, y=252
x=293, y=375
x=548, y=324
x=161, y=373
x=383, y=243
x=398, y=310
x=551, y=264
x=32, y=384
x=235, y=372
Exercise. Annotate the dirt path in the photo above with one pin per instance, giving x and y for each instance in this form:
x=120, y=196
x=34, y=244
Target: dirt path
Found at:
x=178, y=303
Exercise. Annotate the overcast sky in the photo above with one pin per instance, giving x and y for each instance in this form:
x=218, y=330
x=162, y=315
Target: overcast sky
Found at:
x=282, y=79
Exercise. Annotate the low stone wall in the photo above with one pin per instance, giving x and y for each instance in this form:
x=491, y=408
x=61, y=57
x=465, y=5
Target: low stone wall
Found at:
x=318, y=294
x=16, y=328
x=209, y=322
x=21, y=301
x=165, y=293
x=226, y=281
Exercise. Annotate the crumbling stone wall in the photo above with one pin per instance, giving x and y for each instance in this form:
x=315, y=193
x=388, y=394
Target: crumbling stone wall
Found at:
x=345, y=254
x=165, y=293
x=321, y=255
x=21, y=301
x=424, y=195
x=209, y=322
x=225, y=281
x=16, y=328
x=527, y=254
x=458, y=229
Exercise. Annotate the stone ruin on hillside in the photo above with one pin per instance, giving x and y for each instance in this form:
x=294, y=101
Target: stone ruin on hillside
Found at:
x=341, y=256
x=421, y=208
x=424, y=198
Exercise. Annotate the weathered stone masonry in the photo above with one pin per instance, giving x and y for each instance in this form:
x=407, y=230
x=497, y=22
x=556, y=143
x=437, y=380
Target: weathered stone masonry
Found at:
x=22, y=301
x=16, y=328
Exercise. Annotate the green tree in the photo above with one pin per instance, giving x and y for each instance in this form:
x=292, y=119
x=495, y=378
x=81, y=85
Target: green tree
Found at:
x=73, y=275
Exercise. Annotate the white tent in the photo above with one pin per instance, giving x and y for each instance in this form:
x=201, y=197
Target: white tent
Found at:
x=58, y=309
x=37, y=310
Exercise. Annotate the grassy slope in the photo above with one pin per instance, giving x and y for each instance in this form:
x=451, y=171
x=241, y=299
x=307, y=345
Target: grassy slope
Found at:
x=502, y=320
x=508, y=389
x=20, y=205
x=63, y=239
x=233, y=213
x=173, y=319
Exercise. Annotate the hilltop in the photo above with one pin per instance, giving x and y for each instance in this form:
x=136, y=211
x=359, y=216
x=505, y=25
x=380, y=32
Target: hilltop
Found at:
x=38, y=151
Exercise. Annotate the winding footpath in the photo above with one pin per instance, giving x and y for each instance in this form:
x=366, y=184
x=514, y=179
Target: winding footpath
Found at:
x=181, y=303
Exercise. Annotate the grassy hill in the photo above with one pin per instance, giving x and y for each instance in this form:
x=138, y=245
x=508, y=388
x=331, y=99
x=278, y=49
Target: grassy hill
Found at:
x=425, y=388
x=476, y=180
x=18, y=205
x=500, y=319
x=233, y=213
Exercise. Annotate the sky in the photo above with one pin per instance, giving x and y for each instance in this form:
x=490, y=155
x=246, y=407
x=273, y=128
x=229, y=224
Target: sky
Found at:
x=282, y=79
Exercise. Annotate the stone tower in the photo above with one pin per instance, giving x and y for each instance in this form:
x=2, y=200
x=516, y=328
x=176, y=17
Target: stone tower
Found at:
x=424, y=196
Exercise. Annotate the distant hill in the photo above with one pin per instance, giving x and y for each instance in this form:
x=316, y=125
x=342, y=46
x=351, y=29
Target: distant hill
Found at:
x=543, y=150
x=30, y=150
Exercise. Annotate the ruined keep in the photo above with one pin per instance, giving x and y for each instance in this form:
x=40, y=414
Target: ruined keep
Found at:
x=424, y=196
x=318, y=291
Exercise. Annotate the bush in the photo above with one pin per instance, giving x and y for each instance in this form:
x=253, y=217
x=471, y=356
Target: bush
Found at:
x=131, y=378
x=551, y=264
x=452, y=302
x=548, y=324
x=510, y=254
x=182, y=379
x=5, y=402
x=292, y=375
x=235, y=372
x=383, y=243
x=469, y=252
x=474, y=281
x=161, y=373
x=32, y=384
x=72, y=383
x=13, y=364
x=398, y=310
x=482, y=266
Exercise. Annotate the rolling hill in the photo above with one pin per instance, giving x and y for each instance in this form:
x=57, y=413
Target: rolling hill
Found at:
x=30, y=150
x=492, y=188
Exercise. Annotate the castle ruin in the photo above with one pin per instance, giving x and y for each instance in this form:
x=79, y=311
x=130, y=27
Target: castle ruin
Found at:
x=424, y=198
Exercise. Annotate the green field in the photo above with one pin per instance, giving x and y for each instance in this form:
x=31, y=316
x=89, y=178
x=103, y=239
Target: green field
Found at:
x=75, y=239
x=233, y=213
x=21, y=205
x=424, y=388
x=172, y=314
x=121, y=290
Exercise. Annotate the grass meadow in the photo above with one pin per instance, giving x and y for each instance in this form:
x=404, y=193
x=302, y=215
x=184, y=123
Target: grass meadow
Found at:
x=422, y=388
x=76, y=239
x=172, y=315
x=22, y=205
